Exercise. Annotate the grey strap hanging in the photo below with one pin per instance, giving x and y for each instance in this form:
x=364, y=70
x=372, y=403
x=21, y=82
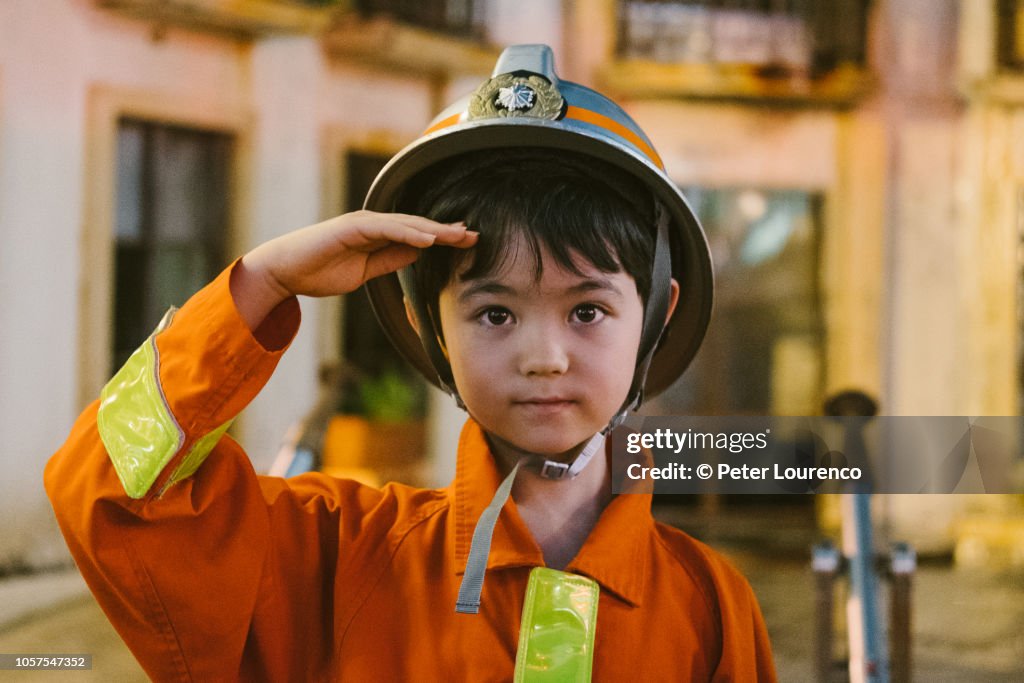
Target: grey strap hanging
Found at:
x=472, y=585
x=476, y=564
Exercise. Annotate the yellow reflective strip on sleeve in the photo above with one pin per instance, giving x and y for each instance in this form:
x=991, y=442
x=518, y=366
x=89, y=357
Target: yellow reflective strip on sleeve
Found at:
x=136, y=426
x=165, y=321
x=556, y=638
x=198, y=453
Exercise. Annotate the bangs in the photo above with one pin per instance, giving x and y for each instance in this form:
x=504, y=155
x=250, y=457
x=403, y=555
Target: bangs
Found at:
x=575, y=208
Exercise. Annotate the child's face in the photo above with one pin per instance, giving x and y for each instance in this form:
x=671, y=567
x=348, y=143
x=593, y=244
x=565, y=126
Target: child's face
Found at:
x=543, y=365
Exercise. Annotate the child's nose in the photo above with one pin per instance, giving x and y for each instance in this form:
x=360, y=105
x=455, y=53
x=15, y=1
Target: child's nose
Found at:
x=544, y=352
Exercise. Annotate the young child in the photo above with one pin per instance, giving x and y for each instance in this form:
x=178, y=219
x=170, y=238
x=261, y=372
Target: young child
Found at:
x=542, y=318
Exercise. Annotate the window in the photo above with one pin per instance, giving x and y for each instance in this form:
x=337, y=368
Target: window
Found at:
x=1010, y=34
x=781, y=35
x=171, y=221
x=764, y=350
x=462, y=17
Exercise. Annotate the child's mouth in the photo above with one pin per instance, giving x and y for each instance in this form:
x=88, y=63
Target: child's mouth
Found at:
x=546, y=404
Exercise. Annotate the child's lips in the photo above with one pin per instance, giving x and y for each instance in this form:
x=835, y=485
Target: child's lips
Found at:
x=545, y=404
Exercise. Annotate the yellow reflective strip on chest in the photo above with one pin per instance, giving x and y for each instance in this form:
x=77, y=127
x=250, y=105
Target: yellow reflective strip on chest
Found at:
x=136, y=425
x=556, y=638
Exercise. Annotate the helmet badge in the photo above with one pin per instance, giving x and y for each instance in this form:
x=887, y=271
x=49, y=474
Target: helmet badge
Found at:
x=516, y=96
x=510, y=95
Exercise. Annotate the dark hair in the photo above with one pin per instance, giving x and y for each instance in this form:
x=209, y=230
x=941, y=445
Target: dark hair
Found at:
x=573, y=206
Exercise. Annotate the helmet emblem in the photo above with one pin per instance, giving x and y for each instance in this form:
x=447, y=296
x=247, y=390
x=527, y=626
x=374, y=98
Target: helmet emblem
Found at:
x=516, y=96
x=511, y=95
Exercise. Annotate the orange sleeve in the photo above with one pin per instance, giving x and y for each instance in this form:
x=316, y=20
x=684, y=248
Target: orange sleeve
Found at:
x=216, y=577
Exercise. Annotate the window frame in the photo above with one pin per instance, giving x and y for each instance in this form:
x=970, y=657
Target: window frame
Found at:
x=147, y=248
x=713, y=396
x=106, y=106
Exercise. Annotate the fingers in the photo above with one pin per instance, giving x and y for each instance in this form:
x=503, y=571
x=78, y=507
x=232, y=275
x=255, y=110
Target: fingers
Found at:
x=466, y=240
x=397, y=256
x=375, y=230
x=388, y=260
x=448, y=234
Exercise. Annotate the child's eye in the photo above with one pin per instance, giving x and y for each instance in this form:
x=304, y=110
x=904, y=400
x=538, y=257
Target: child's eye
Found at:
x=496, y=316
x=587, y=313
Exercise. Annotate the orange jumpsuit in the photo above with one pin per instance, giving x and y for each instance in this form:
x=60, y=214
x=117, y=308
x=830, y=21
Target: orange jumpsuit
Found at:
x=226, y=575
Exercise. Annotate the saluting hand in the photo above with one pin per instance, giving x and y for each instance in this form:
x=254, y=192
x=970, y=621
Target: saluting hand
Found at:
x=335, y=257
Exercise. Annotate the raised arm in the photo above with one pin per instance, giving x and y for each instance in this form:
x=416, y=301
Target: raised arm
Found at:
x=207, y=571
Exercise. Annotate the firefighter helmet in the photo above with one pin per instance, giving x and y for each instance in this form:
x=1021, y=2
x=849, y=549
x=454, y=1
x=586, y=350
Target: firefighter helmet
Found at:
x=524, y=104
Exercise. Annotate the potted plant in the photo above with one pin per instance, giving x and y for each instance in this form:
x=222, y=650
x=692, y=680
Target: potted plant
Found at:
x=380, y=425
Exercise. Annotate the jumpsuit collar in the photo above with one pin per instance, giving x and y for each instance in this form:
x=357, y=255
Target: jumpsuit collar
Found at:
x=615, y=554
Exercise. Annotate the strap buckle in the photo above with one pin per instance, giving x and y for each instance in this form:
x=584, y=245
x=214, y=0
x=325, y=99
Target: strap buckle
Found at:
x=554, y=470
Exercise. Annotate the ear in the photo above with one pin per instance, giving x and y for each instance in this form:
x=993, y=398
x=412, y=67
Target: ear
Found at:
x=673, y=299
x=411, y=314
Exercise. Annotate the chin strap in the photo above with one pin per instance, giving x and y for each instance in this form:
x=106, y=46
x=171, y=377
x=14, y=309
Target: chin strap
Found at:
x=472, y=584
x=655, y=313
x=552, y=469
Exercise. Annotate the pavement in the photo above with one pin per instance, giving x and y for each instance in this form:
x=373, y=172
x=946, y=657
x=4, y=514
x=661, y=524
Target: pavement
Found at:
x=968, y=624
x=69, y=624
x=23, y=597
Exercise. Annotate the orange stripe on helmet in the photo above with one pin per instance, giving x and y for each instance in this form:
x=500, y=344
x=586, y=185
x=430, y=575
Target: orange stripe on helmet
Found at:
x=443, y=123
x=585, y=116
x=613, y=126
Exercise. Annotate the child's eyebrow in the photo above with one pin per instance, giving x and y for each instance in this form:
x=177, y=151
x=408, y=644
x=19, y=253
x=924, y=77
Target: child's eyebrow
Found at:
x=594, y=284
x=590, y=284
x=478, y=287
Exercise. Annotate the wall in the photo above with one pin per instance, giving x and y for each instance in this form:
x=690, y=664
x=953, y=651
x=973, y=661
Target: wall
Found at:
x=55, y=55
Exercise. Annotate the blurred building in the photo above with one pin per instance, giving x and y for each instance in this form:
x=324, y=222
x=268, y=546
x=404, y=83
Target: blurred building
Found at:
x=859, y=166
